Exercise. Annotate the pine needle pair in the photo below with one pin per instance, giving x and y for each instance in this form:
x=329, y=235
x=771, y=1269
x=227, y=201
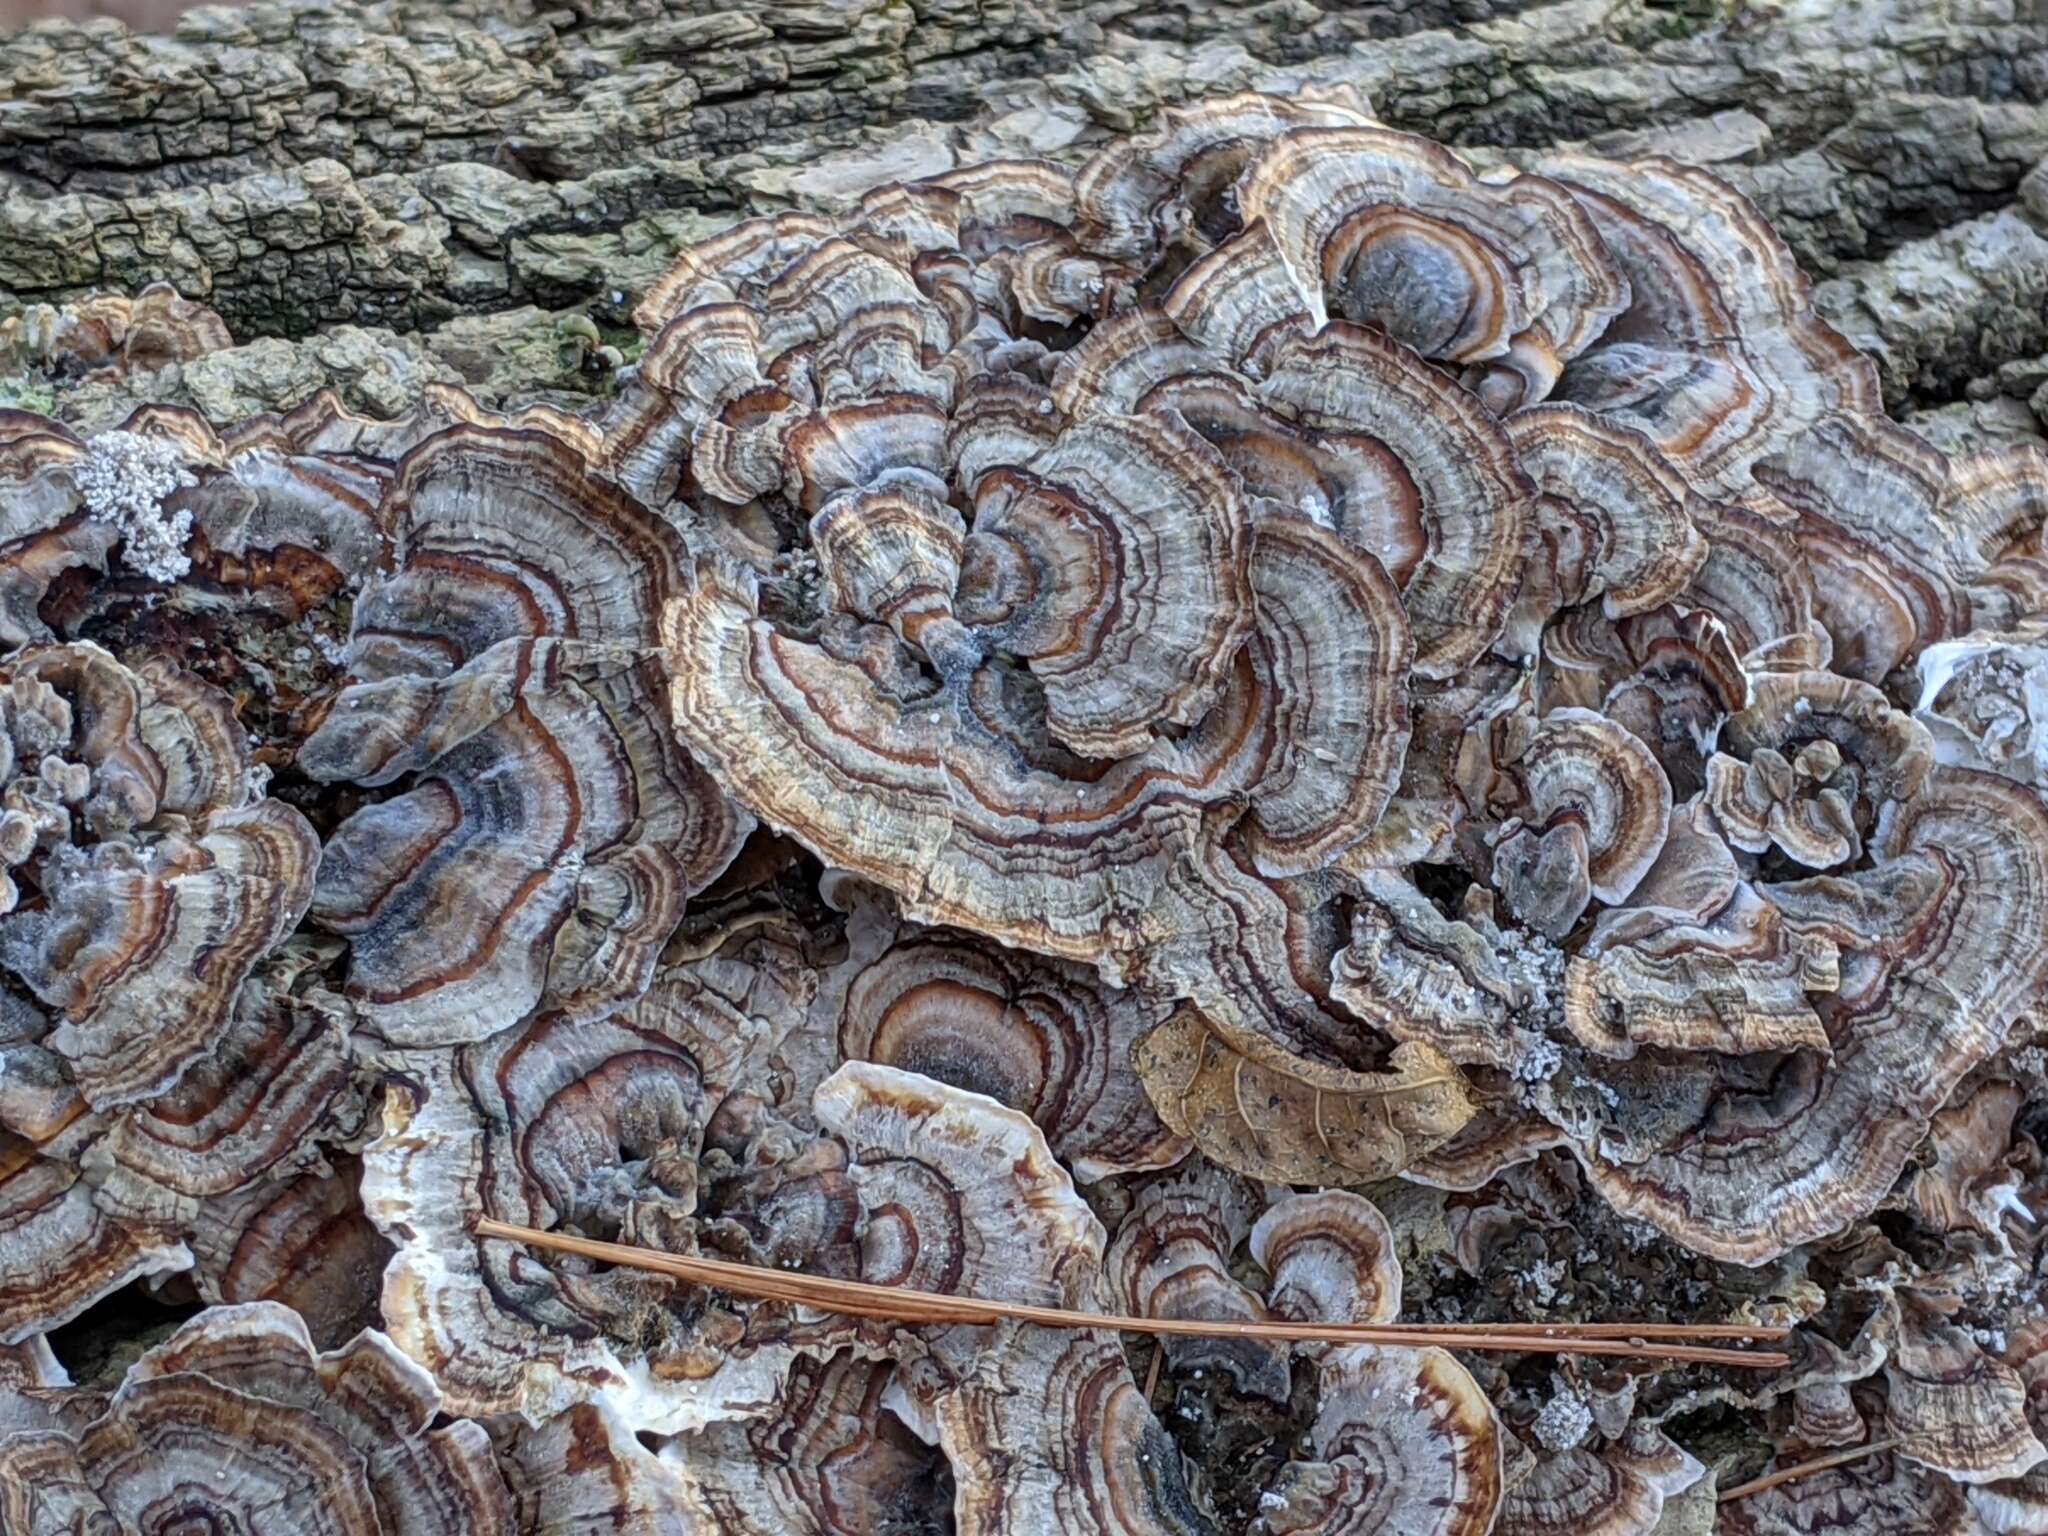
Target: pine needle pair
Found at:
x=1691, y=1344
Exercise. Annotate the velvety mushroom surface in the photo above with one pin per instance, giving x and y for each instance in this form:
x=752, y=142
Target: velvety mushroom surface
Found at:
x=1278, y=724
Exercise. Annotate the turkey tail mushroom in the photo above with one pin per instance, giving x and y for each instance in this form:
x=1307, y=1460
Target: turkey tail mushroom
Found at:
x=1046, y=1430
x=1259, y=654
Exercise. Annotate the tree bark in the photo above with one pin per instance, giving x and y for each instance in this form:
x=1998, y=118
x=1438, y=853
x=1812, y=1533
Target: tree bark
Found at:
x=377, y=196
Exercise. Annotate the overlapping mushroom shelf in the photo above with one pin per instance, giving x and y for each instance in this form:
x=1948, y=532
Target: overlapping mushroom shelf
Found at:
x=1061, y=726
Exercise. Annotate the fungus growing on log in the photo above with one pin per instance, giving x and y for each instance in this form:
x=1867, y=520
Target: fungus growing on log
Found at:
x=233, y=1422
x=1045, y=1430
x=1171, y=1258
x=1618, y=1490
x=504, y=668
x=1040, y=1036
x=593, y=1126
x=1045, y=708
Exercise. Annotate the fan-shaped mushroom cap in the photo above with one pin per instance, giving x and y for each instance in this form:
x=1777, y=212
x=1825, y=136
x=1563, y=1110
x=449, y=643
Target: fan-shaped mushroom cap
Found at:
x=1238, y=302
x=1115, y=562
x=1950, y=1406
x=554, y=826
x=549, y=840
x=994, y=237
x=735, y=262
x=830, y=1460
x=304, y=1242
x=36, y=1391
x=1669, y=677
x=1174, y=183
x=1394, y=231
x=1824, y=1407
x=141, y=949
x=844, y=326
x=1171, y=1258
x=868, y=775
x=1333, y=646
x=289, y=528
x=1885, y=1495
x=584, y=1470
x=958, y=1191
x=1966, y=1180
x=892, y=556
x=1788, y=1150
x=1036, y=1035
x=233, y=1422
x=1612, y=520
x=1489, y=1144
x=247, y=1112
x=500, y=533
x=1718, y=358
x=1902, y=538
x=1419, y=975
x=1463, y=489
x=589, y=1126
x=1404, y=1440
x=2019, y=1506
x=1590, y=808
x=1330, y=1258
x=1737, y=981
x=1355, y=432
x=1698, y=960
x=45, y=528
x=1755, y=581
x=1046, y=1429
x=1618, y=1490
x=154, y=329
x=64, y=1251
x=700, y=399
x=1806, y=766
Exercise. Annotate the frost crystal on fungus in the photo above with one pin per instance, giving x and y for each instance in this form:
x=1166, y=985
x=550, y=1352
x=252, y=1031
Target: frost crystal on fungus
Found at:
x=1271, y=664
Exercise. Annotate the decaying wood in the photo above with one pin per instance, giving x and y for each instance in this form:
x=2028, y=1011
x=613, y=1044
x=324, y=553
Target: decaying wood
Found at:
x=386, y=196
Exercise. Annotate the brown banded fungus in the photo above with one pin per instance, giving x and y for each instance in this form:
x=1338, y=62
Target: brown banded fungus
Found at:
x=153, y=890
x=1619, y=1489
x=1505, y=280
x=1273, y=653
x=551, y=826
x=1789, y=1148
x=1884, y=1494
x=1698, y=960
x=1171, y=1258
x=595, y=1127
x=1045, y=1429
x=1948, y=1405
x=233, y=1423
x=45, y=526
x=1403, y=1438
x=831, y=1460
x=135, y=815
x=1043, y=1037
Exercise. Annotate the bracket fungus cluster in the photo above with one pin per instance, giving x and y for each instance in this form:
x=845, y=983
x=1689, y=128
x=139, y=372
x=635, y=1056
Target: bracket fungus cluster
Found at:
x=1061, y=724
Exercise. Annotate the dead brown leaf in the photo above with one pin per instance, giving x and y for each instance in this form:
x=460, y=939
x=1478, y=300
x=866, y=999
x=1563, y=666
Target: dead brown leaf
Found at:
x=1254, y=1107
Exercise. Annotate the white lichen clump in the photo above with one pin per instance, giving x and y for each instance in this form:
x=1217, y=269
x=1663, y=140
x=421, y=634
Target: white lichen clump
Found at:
x=124, y=479
x=1563, y=1421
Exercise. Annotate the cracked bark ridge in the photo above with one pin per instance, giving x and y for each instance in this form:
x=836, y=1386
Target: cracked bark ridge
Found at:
x=376, y=172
